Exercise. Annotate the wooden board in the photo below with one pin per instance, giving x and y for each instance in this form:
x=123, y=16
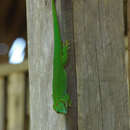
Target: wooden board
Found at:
x=100, y=65
x=40, y=44
x=6, y=69
x=15, y=107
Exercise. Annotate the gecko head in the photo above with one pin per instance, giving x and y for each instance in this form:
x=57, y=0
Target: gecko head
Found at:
x=60, y=108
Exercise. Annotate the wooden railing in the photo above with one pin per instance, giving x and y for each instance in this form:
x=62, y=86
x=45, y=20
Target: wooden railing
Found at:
x=13, y=96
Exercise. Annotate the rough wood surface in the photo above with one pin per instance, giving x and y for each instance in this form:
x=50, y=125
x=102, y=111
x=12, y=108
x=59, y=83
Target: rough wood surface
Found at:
x=2, y=102
x=15, y=107
x=40, y=44
x=100, y=65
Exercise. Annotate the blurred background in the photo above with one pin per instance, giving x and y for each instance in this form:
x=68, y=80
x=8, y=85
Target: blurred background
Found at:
x=14, y=87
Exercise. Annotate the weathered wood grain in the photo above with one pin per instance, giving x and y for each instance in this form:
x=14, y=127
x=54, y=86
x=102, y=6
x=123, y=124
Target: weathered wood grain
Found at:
x=15, y=107
x=2, y=102
x=86, y=36
x=40, y=44
x=100, y=65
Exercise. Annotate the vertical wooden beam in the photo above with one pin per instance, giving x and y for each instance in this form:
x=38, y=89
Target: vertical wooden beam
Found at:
x=40, y=44
x=100, y=65
x=15, y=108
x=86, y=36
x=2, y=102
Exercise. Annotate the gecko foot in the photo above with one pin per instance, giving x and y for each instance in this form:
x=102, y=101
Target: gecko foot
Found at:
x=60, y=108
x=66, y=45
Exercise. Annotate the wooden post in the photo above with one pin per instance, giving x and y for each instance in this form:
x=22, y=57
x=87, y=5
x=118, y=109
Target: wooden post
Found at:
x=15, y=107
x=2, y=102
x=100, y=65
x=40, y=44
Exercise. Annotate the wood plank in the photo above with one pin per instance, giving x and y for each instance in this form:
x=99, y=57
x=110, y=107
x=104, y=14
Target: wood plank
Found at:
x=2, y=102
x=100, y=65
x=86, y=36
x=40, y=45
x=6, y=69
x=15, y=107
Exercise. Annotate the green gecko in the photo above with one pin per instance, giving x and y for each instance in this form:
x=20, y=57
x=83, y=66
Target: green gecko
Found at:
x=61, y=100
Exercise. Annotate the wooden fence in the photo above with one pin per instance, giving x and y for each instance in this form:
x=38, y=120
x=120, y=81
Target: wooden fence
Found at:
x=14, y=112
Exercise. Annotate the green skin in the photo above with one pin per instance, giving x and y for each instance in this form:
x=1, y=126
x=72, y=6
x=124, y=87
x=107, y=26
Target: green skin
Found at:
x=61, y=100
